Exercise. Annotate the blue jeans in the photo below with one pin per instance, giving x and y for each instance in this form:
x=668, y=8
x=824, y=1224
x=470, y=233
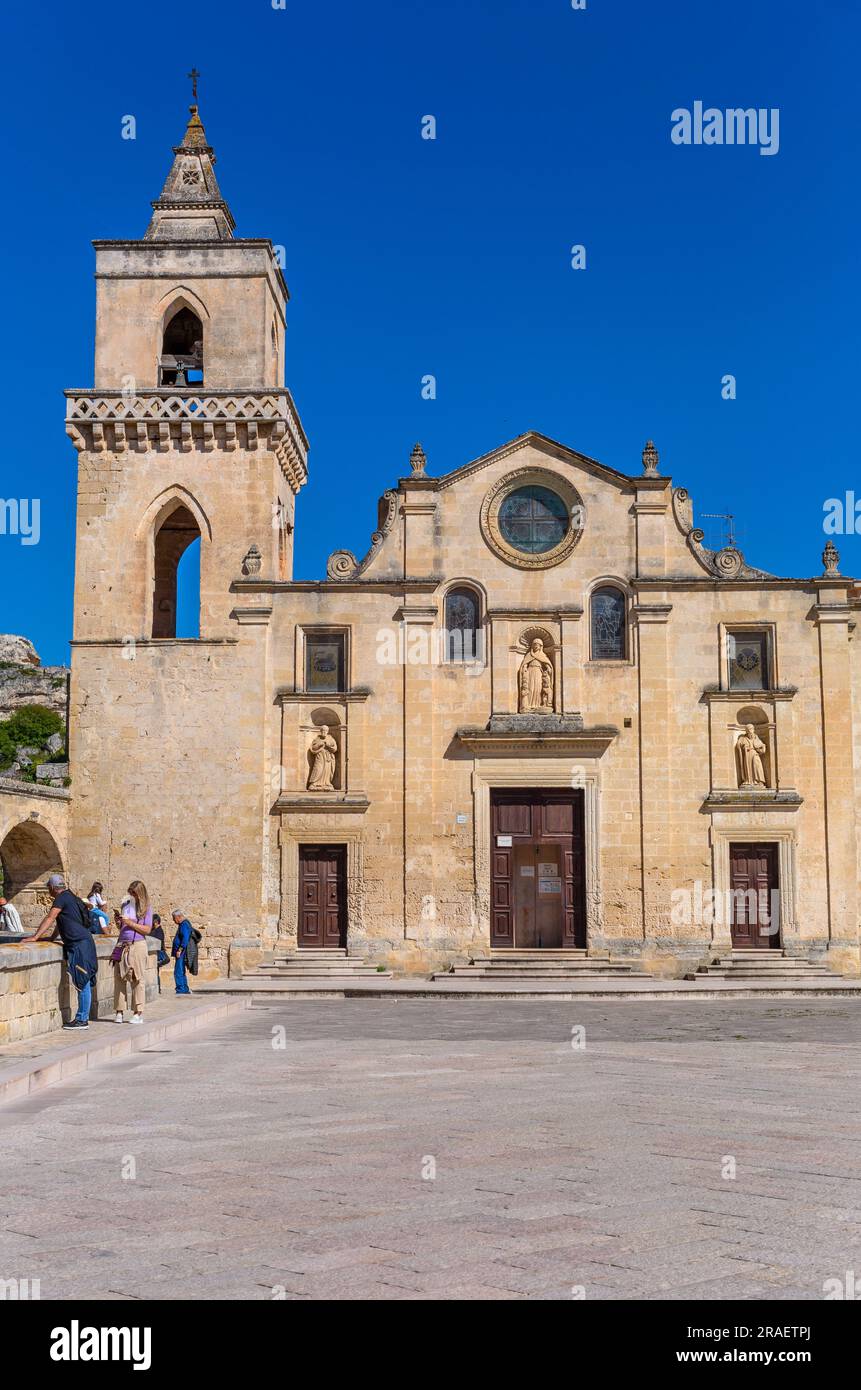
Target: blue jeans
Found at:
x=85, y=1000
x=179, y=977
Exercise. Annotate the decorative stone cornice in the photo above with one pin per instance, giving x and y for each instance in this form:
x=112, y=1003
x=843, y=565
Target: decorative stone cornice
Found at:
x=166, y=419
x=285, y=696
x=748, y=697
x=558, y=612
x=651, y=612
x=320, y=802
x=550, y=733
x=747, y=800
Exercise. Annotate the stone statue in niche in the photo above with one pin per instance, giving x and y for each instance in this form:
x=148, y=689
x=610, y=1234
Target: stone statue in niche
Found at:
x=749, y=753
x=535, y=680
x=324, y=751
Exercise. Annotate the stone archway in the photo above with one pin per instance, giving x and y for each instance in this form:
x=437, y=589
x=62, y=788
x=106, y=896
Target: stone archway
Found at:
x=28, y=855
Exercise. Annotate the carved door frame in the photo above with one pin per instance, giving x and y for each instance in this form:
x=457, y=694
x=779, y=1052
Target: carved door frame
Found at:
x=555, y=773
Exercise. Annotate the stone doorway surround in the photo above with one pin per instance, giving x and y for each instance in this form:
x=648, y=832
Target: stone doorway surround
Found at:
x=785, y=840
x=573, y=774
x=291, y=839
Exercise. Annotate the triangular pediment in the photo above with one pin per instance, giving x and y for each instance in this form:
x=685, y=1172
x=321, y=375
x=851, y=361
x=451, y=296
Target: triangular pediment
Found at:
x=542, y=444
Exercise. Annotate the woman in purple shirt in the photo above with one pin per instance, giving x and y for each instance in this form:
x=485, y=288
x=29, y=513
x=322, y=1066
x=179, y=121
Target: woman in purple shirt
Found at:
x=129, y=957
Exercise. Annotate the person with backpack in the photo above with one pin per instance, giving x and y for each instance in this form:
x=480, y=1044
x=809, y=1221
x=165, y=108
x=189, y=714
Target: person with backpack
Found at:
x=99, y=920
x=130, y=954
x=184, y=951
x=69, y=916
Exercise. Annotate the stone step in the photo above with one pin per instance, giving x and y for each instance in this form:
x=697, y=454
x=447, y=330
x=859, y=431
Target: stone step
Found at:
x=587, y=968
x=316, y=973
x=471, y=972
x=541, y=953
x=742, y=973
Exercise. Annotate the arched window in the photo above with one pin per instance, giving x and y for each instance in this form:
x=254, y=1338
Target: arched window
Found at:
x=181, y=361
x=176, y=586
x=608, y=624
x=462, y=625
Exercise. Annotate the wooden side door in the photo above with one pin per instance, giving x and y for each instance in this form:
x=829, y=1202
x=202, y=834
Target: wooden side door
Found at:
x=755, y=923
x=322, y=896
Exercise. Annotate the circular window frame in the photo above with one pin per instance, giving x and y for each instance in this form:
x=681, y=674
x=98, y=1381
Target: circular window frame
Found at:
x=526, y=477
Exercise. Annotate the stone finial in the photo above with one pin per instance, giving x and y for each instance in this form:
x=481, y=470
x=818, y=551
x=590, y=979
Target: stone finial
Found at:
x=418, y=459
x=651, y=459
x=252, y=562
x=830, y=559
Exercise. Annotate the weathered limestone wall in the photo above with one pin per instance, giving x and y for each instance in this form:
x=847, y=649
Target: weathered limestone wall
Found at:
x=36, y=993
x=170, y=781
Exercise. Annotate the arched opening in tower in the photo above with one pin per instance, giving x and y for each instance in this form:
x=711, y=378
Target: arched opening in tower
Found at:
x=176, y=588
x=181, y=361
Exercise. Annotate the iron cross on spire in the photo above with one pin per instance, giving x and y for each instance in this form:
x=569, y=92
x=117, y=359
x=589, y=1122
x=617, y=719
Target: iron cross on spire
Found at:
x=194, y=74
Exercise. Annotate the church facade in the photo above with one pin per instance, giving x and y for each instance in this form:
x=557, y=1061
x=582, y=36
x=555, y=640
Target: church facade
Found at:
x=537, y=714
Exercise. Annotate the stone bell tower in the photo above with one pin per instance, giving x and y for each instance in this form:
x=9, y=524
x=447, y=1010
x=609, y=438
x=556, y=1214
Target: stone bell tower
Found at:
x=188, y=435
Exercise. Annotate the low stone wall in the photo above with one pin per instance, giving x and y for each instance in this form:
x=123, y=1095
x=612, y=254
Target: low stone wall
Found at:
x=36, y=995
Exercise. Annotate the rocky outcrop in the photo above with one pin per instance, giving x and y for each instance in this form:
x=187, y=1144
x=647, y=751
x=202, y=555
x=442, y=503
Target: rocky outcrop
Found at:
x=24, y=681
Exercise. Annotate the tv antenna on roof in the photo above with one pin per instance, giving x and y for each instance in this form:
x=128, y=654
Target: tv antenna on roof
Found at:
x=727, y=517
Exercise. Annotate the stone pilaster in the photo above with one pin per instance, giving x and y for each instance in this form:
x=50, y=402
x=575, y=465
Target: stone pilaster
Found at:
x=833, y=615
x=655, y=761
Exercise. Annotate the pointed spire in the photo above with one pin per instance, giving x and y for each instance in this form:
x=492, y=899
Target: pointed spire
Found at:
x=191, y=207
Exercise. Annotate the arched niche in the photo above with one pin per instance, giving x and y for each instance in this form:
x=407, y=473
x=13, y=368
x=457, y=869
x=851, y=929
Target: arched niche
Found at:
x=29, y=855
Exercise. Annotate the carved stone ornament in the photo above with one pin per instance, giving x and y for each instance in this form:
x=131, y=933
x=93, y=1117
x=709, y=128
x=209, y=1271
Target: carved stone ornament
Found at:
x=651, y=459
x=342, y=564
x=252, y=562
x=830, y=558
x=418, y=459
x=728, y=563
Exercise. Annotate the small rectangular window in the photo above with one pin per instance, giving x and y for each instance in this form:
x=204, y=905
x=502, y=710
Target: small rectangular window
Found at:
x=324, y=662
x=748, y=661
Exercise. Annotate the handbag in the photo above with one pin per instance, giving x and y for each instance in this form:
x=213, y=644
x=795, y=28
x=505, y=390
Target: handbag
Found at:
x=117, y=955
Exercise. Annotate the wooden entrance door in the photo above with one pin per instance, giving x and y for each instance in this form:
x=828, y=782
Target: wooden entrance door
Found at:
x=538, y=869
x=755, y=900
x=323, y=896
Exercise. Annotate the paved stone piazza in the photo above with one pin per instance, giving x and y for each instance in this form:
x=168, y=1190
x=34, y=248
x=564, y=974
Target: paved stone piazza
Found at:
x=296, y=1171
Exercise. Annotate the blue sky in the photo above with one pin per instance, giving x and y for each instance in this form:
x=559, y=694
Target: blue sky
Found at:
x=408, y=257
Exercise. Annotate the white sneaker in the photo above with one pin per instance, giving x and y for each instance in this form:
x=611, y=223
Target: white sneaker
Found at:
x=136, y=1018
x=119, y=1019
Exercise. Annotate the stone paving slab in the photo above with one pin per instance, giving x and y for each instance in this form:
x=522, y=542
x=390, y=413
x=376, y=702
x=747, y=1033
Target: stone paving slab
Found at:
x=37, y=1062
x=264, y=1171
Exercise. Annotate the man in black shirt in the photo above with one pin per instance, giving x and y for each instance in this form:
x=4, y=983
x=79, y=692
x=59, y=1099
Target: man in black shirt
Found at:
x=69, y=917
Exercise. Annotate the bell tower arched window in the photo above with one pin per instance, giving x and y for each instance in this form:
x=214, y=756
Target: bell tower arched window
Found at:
x=176, y=586
x=462, y=624
x=181, y=360
x=608, y=624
